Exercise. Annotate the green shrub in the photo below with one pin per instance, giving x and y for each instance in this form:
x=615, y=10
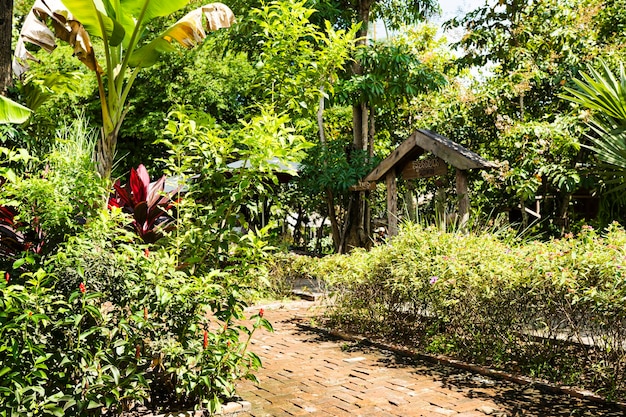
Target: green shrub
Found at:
x=106, y=324
x=100, y=321
x=551, y=309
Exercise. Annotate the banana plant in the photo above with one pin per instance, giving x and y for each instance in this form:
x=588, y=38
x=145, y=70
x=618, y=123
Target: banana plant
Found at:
x=121, y=24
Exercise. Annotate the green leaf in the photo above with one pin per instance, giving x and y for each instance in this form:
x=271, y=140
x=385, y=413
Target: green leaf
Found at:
x=153, y=8
x=93, y=404
x=12, y=112
x=91, y=13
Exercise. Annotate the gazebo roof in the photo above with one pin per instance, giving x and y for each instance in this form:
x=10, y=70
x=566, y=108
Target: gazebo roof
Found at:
x=425, y=140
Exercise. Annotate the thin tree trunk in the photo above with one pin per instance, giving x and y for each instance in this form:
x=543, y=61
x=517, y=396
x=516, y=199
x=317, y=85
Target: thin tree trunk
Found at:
x=563, y=217
x=364, y=126
x=334, y=224
x=320, y=117
x=524, y=214
x=343, y=243
x=6, y=27
x=319, y=234
x=297, y=234
x=372, y=133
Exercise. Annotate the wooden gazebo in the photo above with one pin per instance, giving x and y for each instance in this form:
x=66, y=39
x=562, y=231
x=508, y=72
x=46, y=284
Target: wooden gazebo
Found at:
x=403, y=160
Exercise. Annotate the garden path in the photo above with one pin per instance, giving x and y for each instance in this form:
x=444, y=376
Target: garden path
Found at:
x=309, y=373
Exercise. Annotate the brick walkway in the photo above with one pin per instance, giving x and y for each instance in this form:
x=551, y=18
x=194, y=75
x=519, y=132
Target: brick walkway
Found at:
x=309, y=373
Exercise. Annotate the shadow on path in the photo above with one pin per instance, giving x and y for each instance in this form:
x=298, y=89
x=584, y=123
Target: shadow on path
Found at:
x=512, y=399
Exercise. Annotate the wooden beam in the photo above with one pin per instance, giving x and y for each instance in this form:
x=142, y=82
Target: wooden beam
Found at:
x=389, y=162
x=462, y=193
x=425, y=140
x=392, y=203
x=363, y=186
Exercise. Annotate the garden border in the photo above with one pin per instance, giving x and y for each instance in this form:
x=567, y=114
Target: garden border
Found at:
x=229, y=409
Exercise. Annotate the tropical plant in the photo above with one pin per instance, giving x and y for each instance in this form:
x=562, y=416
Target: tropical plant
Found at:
x=12, y=112
x=147, y=202
x=121, y=26
x=48, y=200
x=106, y=331
x=604, y=94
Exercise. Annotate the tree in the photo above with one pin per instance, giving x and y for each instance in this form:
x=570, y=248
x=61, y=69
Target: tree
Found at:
x=394, y=14
x=6, y=28
x=10, y=112
x=121, y=26
x=514, y=113
x=297, y=69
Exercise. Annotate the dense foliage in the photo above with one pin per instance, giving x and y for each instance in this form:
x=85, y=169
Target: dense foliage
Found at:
x=143, y=301
x=97, y=320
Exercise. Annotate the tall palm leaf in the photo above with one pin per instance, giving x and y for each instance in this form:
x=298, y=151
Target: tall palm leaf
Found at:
x=603, y=93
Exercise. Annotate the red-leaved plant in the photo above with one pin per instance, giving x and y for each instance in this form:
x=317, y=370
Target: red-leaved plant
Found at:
x=12, y=240
x=148, y=203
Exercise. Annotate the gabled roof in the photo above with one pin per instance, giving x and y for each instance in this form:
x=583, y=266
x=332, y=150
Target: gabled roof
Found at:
x=425, y=140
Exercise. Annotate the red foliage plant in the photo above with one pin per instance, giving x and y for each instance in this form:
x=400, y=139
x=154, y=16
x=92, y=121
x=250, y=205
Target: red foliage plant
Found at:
x=147, y=202
x=12, y=240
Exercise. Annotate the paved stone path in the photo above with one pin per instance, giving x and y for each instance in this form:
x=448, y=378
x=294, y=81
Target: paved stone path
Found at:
x=308, y=373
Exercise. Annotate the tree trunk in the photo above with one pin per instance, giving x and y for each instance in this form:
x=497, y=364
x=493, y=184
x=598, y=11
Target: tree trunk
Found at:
x=357, y=233
x=6, y=27
x=525, y=220
x=562, y=220
x=320, y=117
x=105, y=151
x=334, y=224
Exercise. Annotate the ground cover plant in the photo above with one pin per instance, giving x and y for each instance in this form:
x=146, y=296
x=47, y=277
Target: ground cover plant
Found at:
x=550, y=309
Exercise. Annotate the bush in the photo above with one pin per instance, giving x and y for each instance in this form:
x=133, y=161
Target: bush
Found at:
x=551, y=309
x=101, y=321
x=78, y=341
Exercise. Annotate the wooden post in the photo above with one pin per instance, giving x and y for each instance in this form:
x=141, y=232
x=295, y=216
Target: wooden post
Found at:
x=392, y=203
x=462, y=193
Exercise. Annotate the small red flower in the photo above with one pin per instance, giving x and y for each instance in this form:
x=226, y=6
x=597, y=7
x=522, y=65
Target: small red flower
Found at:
x=205, y=340
x=146, y=252
x=82, y=288
x=137, y=351
x=7, y=276
x=261, y=312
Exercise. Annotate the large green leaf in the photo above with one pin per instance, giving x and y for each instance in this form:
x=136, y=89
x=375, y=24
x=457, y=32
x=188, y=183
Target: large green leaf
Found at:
x=187, y=32
x=119, y=24
x=90, y=12
x=154, y=8
x=12, y=112
x=601, y=91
